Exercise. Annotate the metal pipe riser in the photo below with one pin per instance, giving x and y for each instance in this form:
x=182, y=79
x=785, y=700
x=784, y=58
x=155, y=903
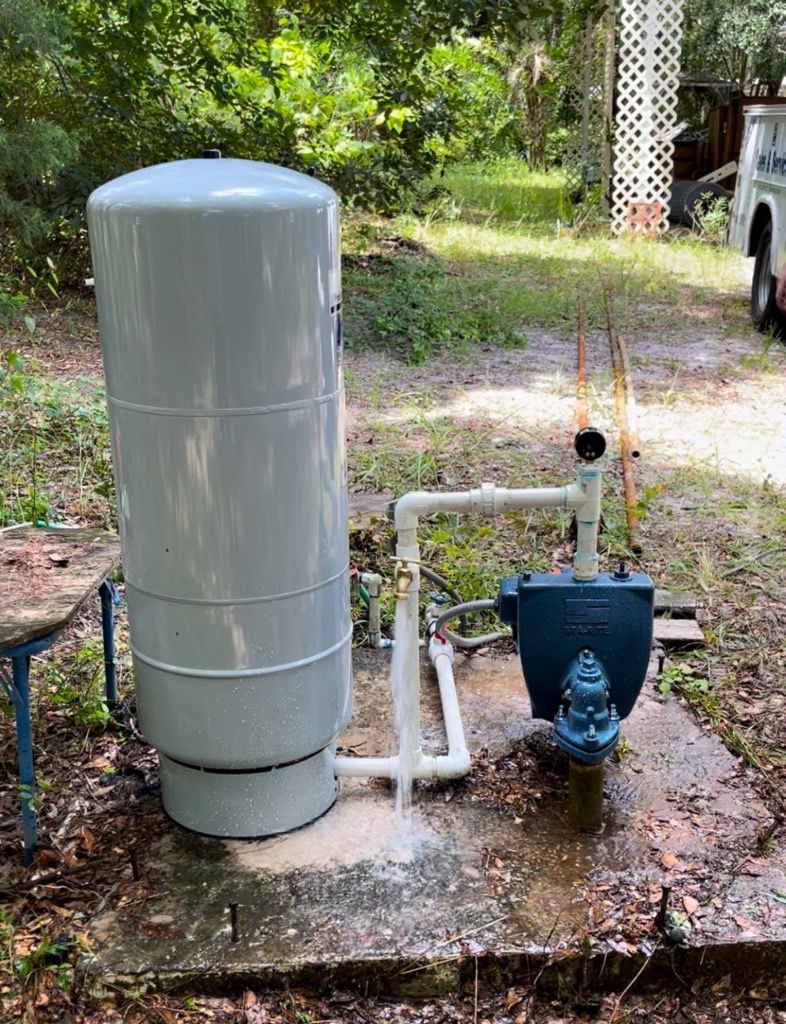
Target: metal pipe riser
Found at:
x=585, y=796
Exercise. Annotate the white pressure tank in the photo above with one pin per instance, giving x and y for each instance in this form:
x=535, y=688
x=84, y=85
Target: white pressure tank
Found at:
x=218, y=291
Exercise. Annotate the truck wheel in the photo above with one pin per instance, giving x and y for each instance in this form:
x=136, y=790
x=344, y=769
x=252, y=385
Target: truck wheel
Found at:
x=764, y=311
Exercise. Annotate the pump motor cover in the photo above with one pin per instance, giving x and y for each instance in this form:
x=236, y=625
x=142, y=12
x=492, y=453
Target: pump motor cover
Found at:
x=555, y=618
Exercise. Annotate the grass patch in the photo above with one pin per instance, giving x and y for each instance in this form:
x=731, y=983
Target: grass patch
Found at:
x=417, y=306
x=55, y=460
x=494, y=257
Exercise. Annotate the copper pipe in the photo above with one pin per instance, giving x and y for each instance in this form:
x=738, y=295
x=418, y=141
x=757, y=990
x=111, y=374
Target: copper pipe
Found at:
x=626, y=454
x=628, y=482
x=581, y=369
x=632, y=415
x=631, y=409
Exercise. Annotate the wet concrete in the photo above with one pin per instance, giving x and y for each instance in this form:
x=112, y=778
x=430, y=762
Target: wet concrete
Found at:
x=356, y=897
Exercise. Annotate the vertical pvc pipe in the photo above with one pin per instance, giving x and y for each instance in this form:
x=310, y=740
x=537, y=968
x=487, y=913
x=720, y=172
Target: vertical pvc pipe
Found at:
x=373, y=582
x=412, y=554
x=585, y=561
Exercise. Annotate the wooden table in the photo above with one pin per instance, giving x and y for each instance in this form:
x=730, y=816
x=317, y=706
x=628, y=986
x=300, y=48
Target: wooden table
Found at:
x=46, y=575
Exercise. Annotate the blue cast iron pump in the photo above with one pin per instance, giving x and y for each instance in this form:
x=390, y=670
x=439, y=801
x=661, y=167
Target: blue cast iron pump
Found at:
x=584, y=647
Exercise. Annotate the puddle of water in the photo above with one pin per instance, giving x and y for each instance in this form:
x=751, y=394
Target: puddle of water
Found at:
x=348, y=885
x=360, y=828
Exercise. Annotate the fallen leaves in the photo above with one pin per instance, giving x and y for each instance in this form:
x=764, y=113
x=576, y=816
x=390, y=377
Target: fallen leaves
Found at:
x=691, y=905
x=744, y=923
x=88, y=839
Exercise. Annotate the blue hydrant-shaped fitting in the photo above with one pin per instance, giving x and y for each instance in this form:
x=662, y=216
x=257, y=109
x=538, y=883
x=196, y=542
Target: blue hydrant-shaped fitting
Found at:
x=586, y=725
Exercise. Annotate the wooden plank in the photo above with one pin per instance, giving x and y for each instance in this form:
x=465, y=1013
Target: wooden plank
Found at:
x=722, y=172
x=46, y=574
x=365, y=505
x=675, y=603
x=673, y=634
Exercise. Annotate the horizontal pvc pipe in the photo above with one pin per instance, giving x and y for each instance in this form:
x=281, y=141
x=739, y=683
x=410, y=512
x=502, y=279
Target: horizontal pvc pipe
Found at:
x=366, y=767
x=488, y=499
x=452, y=765
x=444, y=766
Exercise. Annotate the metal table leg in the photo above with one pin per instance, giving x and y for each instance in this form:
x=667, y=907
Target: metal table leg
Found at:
x=18, y=690
x=24, y=753
x=108, y=598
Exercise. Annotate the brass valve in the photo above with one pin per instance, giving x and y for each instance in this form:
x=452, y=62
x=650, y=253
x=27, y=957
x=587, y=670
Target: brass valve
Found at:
x=404, y=576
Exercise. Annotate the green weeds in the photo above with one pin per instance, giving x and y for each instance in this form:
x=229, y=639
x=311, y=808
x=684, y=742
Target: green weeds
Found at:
x=493, y=257
x=762, y=360
x=25, y=958
x=695, y=687
x=81, y=692
x=417, y=307
x=54, y=447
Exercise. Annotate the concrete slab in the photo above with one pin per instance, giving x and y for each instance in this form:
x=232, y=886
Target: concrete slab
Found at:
x=487, y=872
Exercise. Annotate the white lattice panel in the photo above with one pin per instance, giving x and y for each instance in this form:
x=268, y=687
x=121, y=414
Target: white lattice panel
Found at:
x=649, y=34
x=589, y=130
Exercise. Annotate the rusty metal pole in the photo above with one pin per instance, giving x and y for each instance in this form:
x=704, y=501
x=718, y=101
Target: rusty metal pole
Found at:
x=628, y=482
x=585, y=796
x=631, y=408
x=626, y=452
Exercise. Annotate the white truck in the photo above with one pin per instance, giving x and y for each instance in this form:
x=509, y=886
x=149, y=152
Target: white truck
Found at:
x=757, y=225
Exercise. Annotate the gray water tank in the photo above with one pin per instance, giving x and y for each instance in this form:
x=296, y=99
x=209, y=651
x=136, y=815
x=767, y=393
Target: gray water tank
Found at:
x=218, y=291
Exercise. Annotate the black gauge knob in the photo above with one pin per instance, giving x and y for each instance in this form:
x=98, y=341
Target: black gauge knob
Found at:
x=589, y=443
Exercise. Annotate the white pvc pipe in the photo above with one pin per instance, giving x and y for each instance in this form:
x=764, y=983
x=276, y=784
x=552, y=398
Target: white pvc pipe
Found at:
x=373, y=584
x=583, y=495
x=452, y=765
x=366, y=767
x=585, y=561
x=457, y=761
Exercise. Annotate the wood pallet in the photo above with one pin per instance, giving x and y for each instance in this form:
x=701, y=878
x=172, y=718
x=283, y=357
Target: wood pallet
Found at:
x=675, y=625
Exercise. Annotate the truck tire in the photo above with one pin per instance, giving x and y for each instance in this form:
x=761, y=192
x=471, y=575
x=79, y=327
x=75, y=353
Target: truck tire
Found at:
x=764, y=311
x=686, y=197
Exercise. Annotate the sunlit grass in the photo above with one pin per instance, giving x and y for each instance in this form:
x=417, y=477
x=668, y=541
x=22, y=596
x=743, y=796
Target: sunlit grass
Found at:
x=494, y=256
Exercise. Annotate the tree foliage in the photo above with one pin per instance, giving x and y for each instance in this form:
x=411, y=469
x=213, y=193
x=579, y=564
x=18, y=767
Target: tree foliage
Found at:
x=743, y=41
x=370, y=95
x=34, y=146
x=367, y=97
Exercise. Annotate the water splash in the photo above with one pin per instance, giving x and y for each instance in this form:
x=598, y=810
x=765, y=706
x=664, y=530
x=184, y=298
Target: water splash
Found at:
x=405, y=632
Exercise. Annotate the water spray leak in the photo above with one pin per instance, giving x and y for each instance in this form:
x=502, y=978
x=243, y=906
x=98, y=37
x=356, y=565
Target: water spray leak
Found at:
x=404, y=717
